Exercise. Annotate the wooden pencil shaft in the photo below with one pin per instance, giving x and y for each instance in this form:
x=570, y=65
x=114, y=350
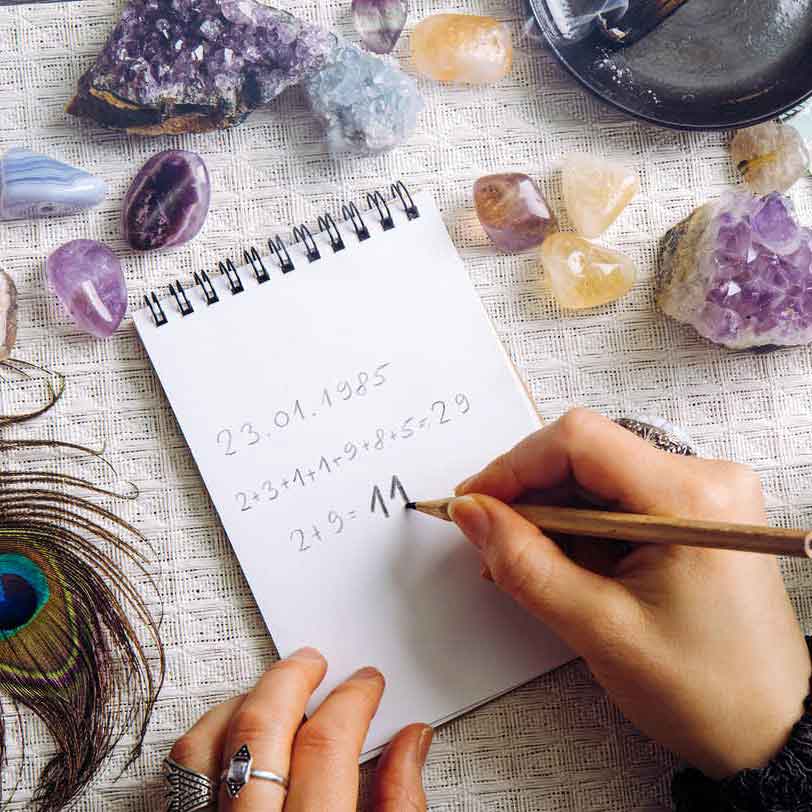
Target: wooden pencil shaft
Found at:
x=655, y=529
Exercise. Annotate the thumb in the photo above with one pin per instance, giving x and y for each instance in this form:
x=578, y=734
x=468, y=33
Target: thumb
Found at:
x=580, y=606
x=398, y=780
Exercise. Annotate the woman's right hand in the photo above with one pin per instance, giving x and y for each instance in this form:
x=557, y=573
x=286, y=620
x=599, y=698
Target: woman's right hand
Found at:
x=699, y=648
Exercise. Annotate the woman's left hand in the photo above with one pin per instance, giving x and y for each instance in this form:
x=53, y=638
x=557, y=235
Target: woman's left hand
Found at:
x=319, y=757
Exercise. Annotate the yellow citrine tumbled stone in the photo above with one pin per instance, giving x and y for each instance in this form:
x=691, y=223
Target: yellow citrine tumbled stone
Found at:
x=582, y=274
x=596, y=191
x=462, y=48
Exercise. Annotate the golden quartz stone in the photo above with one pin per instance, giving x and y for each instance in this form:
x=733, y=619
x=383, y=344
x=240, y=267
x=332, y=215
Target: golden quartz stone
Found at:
x=582, y=274
x=462, y=48
x=596, y=191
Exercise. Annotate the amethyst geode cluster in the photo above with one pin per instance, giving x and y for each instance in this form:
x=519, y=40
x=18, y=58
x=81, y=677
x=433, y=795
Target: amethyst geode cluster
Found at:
x=739, y=271
x=196, y=65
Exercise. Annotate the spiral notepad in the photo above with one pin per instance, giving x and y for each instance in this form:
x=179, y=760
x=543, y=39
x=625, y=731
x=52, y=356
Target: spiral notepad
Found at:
x=320, y=386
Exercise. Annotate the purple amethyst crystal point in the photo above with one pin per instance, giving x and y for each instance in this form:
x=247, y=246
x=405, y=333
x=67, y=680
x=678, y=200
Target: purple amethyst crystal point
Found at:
x=173, y=66
x=87, y=278
x=379, y=23
x=167, y=202
x=739, y=271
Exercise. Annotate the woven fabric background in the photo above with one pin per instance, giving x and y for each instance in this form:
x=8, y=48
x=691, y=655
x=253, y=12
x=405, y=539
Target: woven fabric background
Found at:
x=556, y=744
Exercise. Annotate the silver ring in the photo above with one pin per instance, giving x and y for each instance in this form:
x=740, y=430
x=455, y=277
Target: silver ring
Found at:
x=239, y=773
x=188, y=791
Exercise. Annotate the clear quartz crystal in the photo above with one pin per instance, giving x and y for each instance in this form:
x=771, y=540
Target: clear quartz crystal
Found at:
x=770, y=156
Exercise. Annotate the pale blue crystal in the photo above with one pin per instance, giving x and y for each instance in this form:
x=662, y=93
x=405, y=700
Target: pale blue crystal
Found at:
x=365, y=103
x=33, y=185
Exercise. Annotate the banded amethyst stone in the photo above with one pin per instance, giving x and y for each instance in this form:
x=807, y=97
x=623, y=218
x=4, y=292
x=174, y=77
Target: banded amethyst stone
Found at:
x=173, y=66
x=87, y=278
x=167, y=202
x=739, y=271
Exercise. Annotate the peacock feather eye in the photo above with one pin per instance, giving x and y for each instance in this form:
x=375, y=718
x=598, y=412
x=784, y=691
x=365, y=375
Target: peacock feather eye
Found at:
x=23, y=593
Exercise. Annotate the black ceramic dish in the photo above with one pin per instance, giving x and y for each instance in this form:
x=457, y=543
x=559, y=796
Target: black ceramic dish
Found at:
x=712, y=65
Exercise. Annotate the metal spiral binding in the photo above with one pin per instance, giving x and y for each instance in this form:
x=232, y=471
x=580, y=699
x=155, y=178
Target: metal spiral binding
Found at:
x=257, y=264
x=280, y=251
x=351, y=215
x=206, y=286
x=326, y=223
x=302, y=234
x=230, y=272
x=157, y=311
x=184, y=305
x=377, y=199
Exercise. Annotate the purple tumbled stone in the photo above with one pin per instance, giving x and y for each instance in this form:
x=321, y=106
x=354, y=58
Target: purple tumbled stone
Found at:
x=739, y=271
x=173, y=66
x=168, y=201
x=513, y=211
x=379, y=23
x=87, y=278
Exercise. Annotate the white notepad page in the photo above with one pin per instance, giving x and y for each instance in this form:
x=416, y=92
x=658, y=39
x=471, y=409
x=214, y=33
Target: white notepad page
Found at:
x=312, y=404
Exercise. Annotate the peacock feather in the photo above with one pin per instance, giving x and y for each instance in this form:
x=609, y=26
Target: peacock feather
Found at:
x=78, y=643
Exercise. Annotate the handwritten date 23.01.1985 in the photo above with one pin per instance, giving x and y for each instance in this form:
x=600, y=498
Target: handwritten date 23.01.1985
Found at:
x=232, y=440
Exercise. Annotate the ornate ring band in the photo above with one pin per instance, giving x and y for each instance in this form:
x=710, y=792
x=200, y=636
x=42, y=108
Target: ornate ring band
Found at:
x=189, y=791
x=240, y=773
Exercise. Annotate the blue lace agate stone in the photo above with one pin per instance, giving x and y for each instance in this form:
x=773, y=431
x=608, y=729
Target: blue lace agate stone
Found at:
x=33, y=185
x=366, y=104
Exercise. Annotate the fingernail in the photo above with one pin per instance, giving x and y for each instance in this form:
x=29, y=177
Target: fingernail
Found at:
x=424, y=744
x=463, y=486
x=368, y=673
x=306, y=653
x=467, y=514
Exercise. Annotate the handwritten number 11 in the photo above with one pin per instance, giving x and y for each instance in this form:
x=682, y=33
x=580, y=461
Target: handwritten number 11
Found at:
x=396, y=489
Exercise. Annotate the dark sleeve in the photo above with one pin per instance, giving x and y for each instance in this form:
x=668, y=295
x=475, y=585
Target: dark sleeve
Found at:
x=784, y=785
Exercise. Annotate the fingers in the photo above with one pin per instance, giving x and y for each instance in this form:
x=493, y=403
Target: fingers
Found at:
x=398, y=783
x=604, y=458
x=579, y=605
x=324, y=773
x=267, y=721
x=199, y=749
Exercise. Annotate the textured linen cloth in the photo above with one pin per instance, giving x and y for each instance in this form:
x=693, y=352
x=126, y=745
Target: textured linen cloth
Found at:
x=556, y=744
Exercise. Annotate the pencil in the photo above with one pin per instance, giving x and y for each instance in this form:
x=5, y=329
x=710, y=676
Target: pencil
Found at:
x=635, y=527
